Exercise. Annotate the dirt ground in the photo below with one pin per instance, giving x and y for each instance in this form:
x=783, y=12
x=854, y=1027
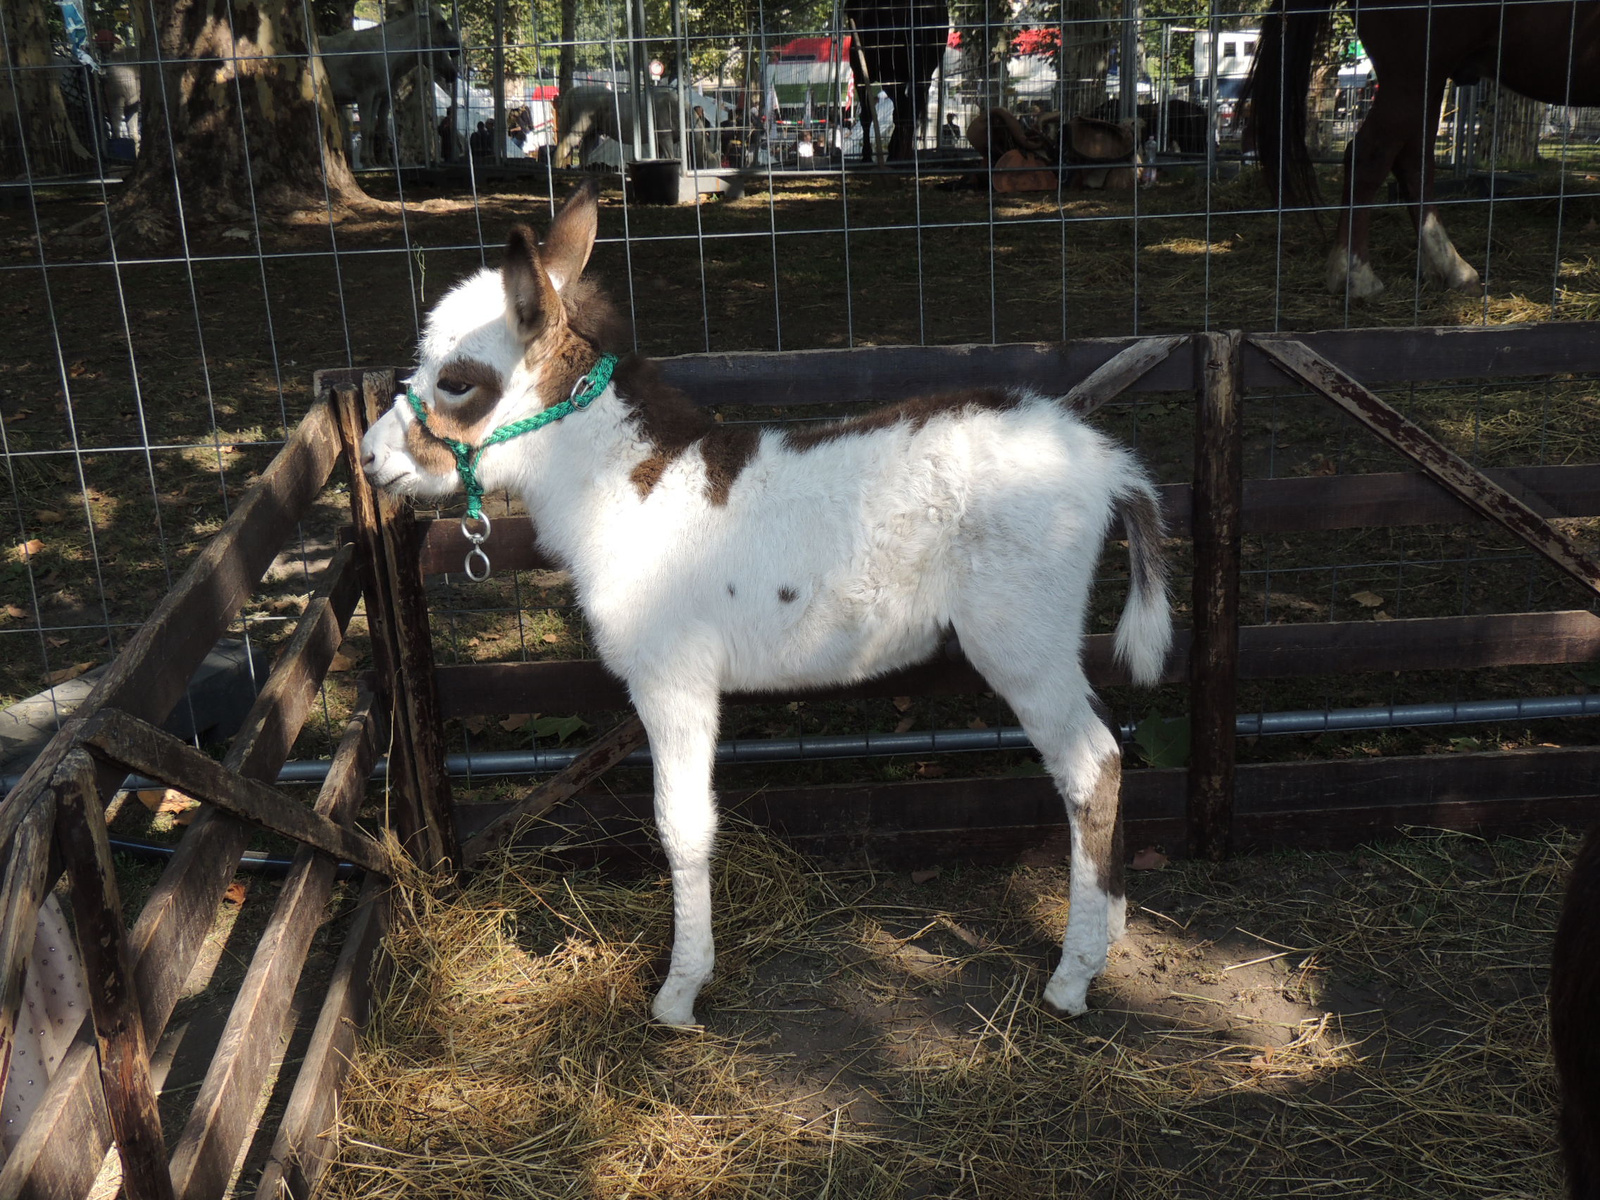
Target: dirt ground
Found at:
x=1367, y=1023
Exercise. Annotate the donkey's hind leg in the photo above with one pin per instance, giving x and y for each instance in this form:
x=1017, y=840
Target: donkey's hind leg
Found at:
x=1083, y=756
x=1047, y=690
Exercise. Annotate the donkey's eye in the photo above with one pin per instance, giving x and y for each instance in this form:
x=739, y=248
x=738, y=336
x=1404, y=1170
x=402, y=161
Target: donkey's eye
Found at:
x=454, y=387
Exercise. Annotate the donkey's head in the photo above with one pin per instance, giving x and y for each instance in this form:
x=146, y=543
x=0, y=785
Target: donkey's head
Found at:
x=498, y=349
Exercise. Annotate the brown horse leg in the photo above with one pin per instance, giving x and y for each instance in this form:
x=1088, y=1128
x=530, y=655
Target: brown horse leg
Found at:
x=1368, y=161
x=1441, y=262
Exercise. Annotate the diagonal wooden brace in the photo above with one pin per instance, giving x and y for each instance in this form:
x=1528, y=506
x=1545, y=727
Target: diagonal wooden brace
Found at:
x=108, y=962
x=579, y=773
x=142, y=748
x=1446, y=468
x=1120, y=372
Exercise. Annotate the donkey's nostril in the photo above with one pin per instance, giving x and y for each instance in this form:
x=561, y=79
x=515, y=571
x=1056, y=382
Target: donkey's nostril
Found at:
x=367, y=459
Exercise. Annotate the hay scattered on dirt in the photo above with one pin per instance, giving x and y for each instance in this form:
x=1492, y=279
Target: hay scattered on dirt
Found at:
x=1369, y=1023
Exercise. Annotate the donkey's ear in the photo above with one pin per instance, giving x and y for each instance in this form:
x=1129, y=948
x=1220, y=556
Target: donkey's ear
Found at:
x=572, y=234
x=531, y=300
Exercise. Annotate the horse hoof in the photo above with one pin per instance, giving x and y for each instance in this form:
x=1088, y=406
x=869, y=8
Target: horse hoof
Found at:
x=1351, y=276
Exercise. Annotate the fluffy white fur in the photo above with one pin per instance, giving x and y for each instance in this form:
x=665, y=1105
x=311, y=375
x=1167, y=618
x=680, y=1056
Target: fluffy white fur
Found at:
x=985, y=521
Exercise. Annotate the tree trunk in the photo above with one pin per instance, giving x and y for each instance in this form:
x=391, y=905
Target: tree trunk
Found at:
x=238, y=117
x=1092, y=30
x=30, y=84
x=569, y=51
x=1510, y=129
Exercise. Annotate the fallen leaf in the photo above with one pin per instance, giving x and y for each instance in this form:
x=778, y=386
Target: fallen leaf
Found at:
x=15, y=613
x=558, y=727
x=977, y=723
x=1148, y=859
x=1368, y=599
x=927, y=770
x=237, y=891
x=1380, y=615
x=552, y=637
x=475, y=724
x=902, y=703
x=341, y=662
x=66, y=673
x=925, y=875
x=225, y=449
x=55, y=643
x=238, y=235
x=48, y=516
x=905, y=724
x=26, y=550
x=165, y=800
x=516, y=721
x=78, y=370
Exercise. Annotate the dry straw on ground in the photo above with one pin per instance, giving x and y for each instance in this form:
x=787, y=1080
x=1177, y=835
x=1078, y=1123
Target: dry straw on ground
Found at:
x=1367, y=1023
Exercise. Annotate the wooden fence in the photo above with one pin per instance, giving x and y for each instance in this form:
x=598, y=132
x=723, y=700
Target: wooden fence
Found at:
x=53, y=821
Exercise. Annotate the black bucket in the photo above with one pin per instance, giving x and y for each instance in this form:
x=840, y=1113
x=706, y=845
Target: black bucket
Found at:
x=655, y=180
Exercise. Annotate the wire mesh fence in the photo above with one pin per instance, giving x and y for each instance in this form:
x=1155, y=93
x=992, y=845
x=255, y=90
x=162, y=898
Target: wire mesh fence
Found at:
x=185, y=242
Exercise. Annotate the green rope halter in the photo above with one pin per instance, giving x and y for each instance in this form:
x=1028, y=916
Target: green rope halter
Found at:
x=584, y=393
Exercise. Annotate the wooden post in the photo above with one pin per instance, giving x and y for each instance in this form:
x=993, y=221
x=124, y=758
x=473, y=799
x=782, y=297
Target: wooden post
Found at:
x=397, y=614
x=1214, y=651
x=108, y=963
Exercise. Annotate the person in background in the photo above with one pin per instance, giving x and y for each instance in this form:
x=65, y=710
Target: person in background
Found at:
x=949, y=132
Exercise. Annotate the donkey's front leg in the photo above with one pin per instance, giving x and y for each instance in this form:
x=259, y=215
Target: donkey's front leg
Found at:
x=683, y=740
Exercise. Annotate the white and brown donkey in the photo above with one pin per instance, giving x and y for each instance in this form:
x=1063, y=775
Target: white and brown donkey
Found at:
x=711, y=559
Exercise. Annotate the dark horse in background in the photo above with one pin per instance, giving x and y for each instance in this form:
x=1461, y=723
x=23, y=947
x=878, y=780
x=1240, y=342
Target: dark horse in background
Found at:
x=897, y=45
x=1549, y=52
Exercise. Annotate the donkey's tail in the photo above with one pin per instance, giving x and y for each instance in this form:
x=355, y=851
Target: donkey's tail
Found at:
x=1144, y=634
x=1294, y=33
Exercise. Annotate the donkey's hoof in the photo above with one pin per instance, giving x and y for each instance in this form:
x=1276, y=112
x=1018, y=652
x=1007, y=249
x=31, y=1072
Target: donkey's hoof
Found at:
x=675, y=1007
x=1067, y=998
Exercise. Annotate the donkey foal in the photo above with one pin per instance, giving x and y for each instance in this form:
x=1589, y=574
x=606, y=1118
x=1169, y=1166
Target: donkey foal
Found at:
x=711, y=559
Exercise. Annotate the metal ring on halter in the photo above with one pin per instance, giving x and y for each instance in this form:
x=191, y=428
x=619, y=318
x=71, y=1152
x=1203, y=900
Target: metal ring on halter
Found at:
x=476, y=553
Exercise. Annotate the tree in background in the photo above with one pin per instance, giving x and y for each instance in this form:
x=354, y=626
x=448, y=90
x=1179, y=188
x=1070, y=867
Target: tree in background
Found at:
x=33, y=109
x=237, y=117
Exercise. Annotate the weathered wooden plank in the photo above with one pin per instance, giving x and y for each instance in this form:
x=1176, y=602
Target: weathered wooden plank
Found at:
x=224, y=1113
x=149, y=676
x=27, y=882
x=1121, y=373
x=302, y=1148
x=885, y=373
x=596, y=759
x=155, y=754
x=1465, y=482
x=1214, y=641
x=59, y=1154
x=108, y=965
x=435, y=843
x=1421, y=355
